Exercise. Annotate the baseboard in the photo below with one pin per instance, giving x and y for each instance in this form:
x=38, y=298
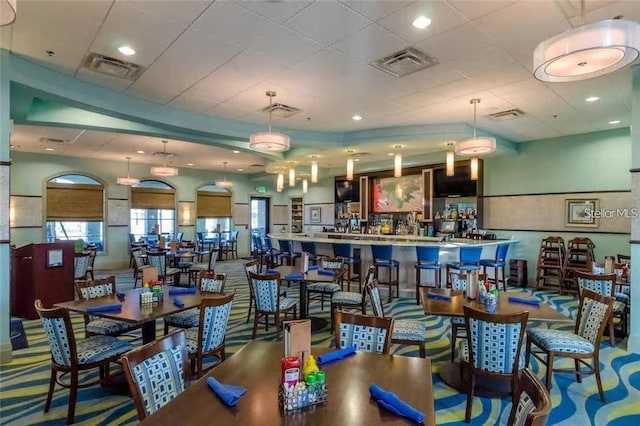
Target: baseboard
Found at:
x=6, y=354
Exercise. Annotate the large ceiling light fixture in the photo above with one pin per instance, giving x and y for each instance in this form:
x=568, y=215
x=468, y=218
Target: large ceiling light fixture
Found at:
x=587, y=51
x=8, y=12
x=305, y=186
x=268, y=141
x=280, y=182
x=128, y=180
x=475, y=145
x=474, y=168
x=224, y=183
x=164, y=171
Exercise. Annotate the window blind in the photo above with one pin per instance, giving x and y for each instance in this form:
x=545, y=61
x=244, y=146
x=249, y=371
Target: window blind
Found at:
x=82, y=202
x=153, y=198
x=213, y=204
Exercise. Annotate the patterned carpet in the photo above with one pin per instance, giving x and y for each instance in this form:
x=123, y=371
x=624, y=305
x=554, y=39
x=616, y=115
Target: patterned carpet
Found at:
x=24, y=381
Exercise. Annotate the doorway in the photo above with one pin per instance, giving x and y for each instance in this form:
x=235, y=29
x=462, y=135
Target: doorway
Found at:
x=260, y=223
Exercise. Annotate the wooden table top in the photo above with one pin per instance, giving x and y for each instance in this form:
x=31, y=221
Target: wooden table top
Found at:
x=256, y=366
x=311, y=276
x=453, y=308
x=132, y=310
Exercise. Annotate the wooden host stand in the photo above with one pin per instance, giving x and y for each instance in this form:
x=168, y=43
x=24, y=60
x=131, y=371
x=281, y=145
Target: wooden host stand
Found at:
x=41, y=271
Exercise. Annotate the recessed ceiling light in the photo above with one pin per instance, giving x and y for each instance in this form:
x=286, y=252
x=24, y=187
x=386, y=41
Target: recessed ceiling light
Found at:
x=236, y=152
x=421, y=22
x=140, y=152
x=356, y=117
x=126, y=50
x=390, y=154
x=614, y=122
x=189, y=164
x=49, y=149
x=592, y=99
x=356, y=159
x=241, y=170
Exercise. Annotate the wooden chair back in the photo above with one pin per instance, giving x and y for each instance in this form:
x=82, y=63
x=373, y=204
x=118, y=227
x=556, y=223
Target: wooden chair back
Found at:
x=601, y=284
x=372, y=289
x=212, y=282
x=169, y=354
x=532, y=403
x=81, y=264
x=593, y=307
x=89, y=289
x=59, y=332
x=366, y=333
x=266, y=292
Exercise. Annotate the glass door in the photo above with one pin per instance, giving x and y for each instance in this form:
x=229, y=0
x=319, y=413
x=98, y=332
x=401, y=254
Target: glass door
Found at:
x=259, y=217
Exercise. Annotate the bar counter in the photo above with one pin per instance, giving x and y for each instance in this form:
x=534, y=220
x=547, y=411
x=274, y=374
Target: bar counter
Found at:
x=403, y=250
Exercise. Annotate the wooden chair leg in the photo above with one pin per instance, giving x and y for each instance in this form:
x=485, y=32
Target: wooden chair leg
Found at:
x=52, y=385
x=549, y=371
x=612, y=334
x=578, y=375
x=467, y=414
x=166, y=328
x=422, y=351
x=73, y=395
x=417, y=286
x=255, y=325
x=596, y=370
x=250, y=307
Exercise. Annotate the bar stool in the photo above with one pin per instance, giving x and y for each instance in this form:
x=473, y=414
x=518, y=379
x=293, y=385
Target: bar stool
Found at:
x=469, y=261
x=382, y=259
x=286, y=252
x=497, y=264
x=343, y=251
x=428, y=257
x=310, y=247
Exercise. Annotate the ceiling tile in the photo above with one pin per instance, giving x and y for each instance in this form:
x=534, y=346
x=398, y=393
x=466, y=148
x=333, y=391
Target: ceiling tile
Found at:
x=278, y=11
x=171, y=10
x=472, y=9
x=102, y=80
x=371, y=43
x=287, y=46
x=191, y=103
x=455, y=43
x=375, y=10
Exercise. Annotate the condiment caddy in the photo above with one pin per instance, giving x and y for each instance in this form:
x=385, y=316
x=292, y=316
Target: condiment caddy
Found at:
x=301, y=388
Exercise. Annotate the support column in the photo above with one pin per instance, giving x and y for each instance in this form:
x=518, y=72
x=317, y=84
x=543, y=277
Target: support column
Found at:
x=5, y=191
x=633, y=343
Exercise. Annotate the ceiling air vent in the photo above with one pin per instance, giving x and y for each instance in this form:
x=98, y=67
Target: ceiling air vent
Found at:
x=506, y=115
x=164, y=154
x=55, y=141
x=112, y=67
x=405, y=62
x=280, y=110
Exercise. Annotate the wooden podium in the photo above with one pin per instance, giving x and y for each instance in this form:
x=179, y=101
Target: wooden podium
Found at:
x=41, y=271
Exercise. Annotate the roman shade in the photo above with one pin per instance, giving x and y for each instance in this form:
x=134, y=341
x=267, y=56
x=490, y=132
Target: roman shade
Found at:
x=213, y=204
x=75, y=201
x=153, y=198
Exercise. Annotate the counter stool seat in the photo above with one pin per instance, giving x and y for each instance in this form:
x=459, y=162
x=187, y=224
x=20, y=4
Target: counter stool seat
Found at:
x=382, y=259
x=428, y=257
x=469, y=261
x=498, y=265
x=343, y=251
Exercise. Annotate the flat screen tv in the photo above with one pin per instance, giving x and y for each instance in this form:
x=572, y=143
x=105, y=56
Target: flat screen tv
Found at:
x=397, y=195
x=347, y=191
x=458, y=185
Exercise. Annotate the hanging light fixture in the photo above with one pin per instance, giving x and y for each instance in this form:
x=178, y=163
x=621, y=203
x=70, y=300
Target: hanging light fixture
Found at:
x=397, y=163
x=164, y=170
x=475, y=145
x=305, y=186
x=268, y=141
x=587, y=51
x=350, y=168
x=292, y=175
x=224, y=183
x=314, y=170
x=280, y=182
x=128, y=180
x=474, y=168
x=450, y=161
x=8, y=12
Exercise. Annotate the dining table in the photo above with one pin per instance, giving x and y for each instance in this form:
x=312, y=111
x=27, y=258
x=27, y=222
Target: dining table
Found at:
x=256, y=367
x=449, y=303
x=133, y=311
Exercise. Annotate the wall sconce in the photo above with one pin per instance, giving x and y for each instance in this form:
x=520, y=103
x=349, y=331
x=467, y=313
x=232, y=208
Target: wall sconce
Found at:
x=350, y=165
x=450, y=162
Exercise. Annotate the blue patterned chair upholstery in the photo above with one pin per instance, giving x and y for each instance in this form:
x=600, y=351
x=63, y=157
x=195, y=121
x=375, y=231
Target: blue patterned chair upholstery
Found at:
x=266, y=291
x=209, y=266
x=404, y=331
x=606, y=285
x=165, y=273
x=369, y=334
x=320, y=290
x=69, y=356
x=209, y=282
x=95, y=325
x=157, y=372
x=350, y=299
x=583, y=344
x=492, y=348
x=532, y=402
x=458, y=329
x=81, y=266
x=208, y=338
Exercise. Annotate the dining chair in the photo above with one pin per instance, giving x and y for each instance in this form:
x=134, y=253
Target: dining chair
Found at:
x=581, y=344
x=498, y=265
x=96, y=325
x=531, y=401
x=429, y=259
x=139, y=263
x=351, y=299
x=351, y=258
x=71, y=356
x=81, y=265
x=366, y=333
x=287, y=253
x=405, y=331
x=458, y=329
x=469, y=260
x=208, y=282
x=208, y=266
x=492, y=348
x=273, y=255
x=157, y=372
x=319, y=290
x=165, y=273
x=93, y=251
x=606, y=286
x=207, y=339
x=310, y=248
x=266, y=291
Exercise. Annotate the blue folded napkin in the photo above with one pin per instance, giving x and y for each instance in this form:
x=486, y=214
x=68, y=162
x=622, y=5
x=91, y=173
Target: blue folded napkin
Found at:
x=188, y=290
x=313, y=267
x=230, y=394
x=179, y=303
x=295, y=276
x=438, y=296
x=516, y=299
x=391, y=402
x=336, y=355
x=114, y=307
x=273, y=271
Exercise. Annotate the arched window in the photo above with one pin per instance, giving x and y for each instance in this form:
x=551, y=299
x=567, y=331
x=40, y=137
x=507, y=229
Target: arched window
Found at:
x=213, y=209
x=75, y=209
x=153, y=210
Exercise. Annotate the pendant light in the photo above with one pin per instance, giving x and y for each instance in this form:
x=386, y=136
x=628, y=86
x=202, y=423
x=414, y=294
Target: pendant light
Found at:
x=397, y=163
x=350, y=164
x=224, y=183
x=304, y=186
x=314, y=169
x=474, y=168
x=450, y=162
x=128, y=180
x=269, y=141
x=292, y=175
x=587, y=51
x=475, y=145
x=280, y=182
x=164, y=171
